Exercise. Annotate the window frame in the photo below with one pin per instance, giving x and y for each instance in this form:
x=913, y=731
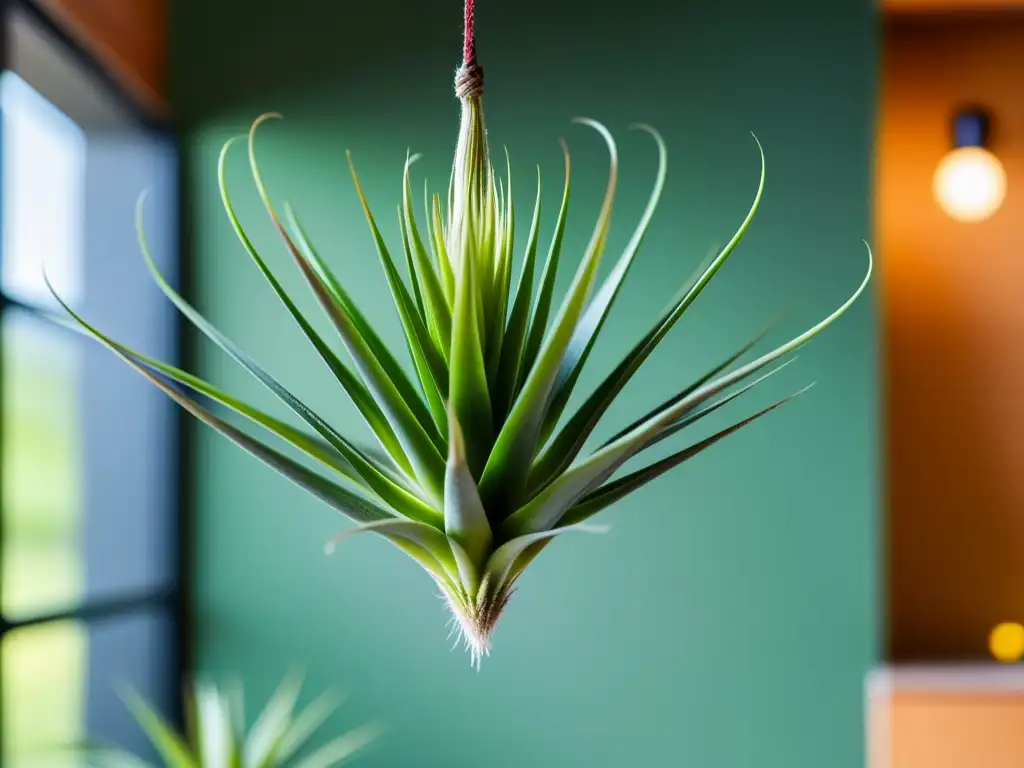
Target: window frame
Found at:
x=173, y=601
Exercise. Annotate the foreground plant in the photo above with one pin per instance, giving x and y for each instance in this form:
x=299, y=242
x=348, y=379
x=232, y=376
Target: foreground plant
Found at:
x=474, y=475
x=216, y=737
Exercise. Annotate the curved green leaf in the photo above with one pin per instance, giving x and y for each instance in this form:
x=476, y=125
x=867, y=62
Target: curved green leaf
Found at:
x=706, y=377
x=378, y=349
x=469, y=397
x=546, y=509
x=545, y=292
x=500, y=563
x=419, y=427
x=505, y=473
x=339, y=750
x=612, y=492
x=429, y=385
x=306, y=723
x=268, y=731
x=360, y=396
x=464, y=518
x=412, y=429
x=434, y=301
x=170, y=746
x=512, y=348
x=350, y=504
x=695, y=415
x=569, y=441
x=597, y=311
x=424, y=536
x=445, y=264
x=502, y=281
x=410, y=267
x=314, y=447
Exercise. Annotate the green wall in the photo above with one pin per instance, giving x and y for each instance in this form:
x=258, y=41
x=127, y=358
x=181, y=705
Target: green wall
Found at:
x=729, y=617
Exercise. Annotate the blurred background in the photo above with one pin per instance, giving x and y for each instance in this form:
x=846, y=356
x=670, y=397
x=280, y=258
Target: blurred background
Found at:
x=841, y=585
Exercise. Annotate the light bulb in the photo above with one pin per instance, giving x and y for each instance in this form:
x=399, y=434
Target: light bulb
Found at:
x=970, y=184
x=1006, y=642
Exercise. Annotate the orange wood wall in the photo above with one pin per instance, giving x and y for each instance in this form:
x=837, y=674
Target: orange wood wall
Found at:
x=942, y=6
x=953, y=320
x=128, y=36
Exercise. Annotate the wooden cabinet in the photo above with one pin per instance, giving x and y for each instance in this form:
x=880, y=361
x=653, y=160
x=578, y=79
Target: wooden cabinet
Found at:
x=946, y=717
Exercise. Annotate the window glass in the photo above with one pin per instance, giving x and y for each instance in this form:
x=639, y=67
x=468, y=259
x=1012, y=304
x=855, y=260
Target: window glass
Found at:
x=43, y=196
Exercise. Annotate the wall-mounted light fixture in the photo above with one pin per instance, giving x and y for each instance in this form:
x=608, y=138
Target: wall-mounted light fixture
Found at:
x=970, y=182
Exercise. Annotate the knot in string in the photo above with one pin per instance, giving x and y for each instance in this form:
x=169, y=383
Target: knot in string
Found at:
x=469, y=81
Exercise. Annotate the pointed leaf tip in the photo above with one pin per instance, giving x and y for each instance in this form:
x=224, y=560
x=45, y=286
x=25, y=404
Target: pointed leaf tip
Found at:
x=265, y=117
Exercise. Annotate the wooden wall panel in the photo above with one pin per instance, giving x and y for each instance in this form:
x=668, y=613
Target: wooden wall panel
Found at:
x=945, y=6
x=953, y=337
x=128, y=36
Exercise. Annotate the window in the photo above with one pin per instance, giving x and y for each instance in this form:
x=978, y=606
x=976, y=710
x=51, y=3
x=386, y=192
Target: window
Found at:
x=89, y=532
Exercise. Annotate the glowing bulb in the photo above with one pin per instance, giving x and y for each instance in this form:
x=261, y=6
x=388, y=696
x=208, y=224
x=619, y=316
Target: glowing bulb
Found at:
x=970, y=184
x=1006, y=642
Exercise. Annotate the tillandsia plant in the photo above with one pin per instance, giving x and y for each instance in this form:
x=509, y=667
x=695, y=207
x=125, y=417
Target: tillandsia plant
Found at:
x=475, y=471
x=215, y=734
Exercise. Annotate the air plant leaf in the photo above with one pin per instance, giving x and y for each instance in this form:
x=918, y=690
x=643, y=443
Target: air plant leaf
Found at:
x=545, y=510
x=110, y=758
x=570, y=440
x=509, y=464
x=338, y=295
x=306, y=723
x=412, y=429
x=512, y=348
x=341, y=749
x=426, y=357
x=469, y=395
x=500, y=563
x=481, y=462
x=170, y=746
x=425, y=280
x=590, y=324
x=216, y=745
x=423, y=537
x=611, y=492
x=690, y=388
x=546, y=291
x=378, y=481
x=352, y=505
x=272, y=724
x=358, y=393
x=464, y=518
x=217, y=739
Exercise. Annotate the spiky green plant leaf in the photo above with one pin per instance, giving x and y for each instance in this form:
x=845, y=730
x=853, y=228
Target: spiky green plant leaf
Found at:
x=476, y=472
x=281, y=737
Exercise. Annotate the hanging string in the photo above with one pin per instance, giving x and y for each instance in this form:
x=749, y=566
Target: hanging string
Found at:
x=469, y=80
x=469, y=45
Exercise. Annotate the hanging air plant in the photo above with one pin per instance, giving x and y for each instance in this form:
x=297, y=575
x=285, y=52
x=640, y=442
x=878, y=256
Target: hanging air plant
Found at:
x=473, y=474
x=215, y=736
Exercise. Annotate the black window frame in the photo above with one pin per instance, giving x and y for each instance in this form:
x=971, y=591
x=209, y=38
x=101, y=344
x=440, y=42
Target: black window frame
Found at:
x=174, y=600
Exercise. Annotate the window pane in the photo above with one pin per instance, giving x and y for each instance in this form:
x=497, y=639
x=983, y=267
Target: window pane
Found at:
x=133, y=652
x=79, y=524
x=130, y=501
x=62, y=684
x=43, y=195
x=41, y=562
x=43, y=693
